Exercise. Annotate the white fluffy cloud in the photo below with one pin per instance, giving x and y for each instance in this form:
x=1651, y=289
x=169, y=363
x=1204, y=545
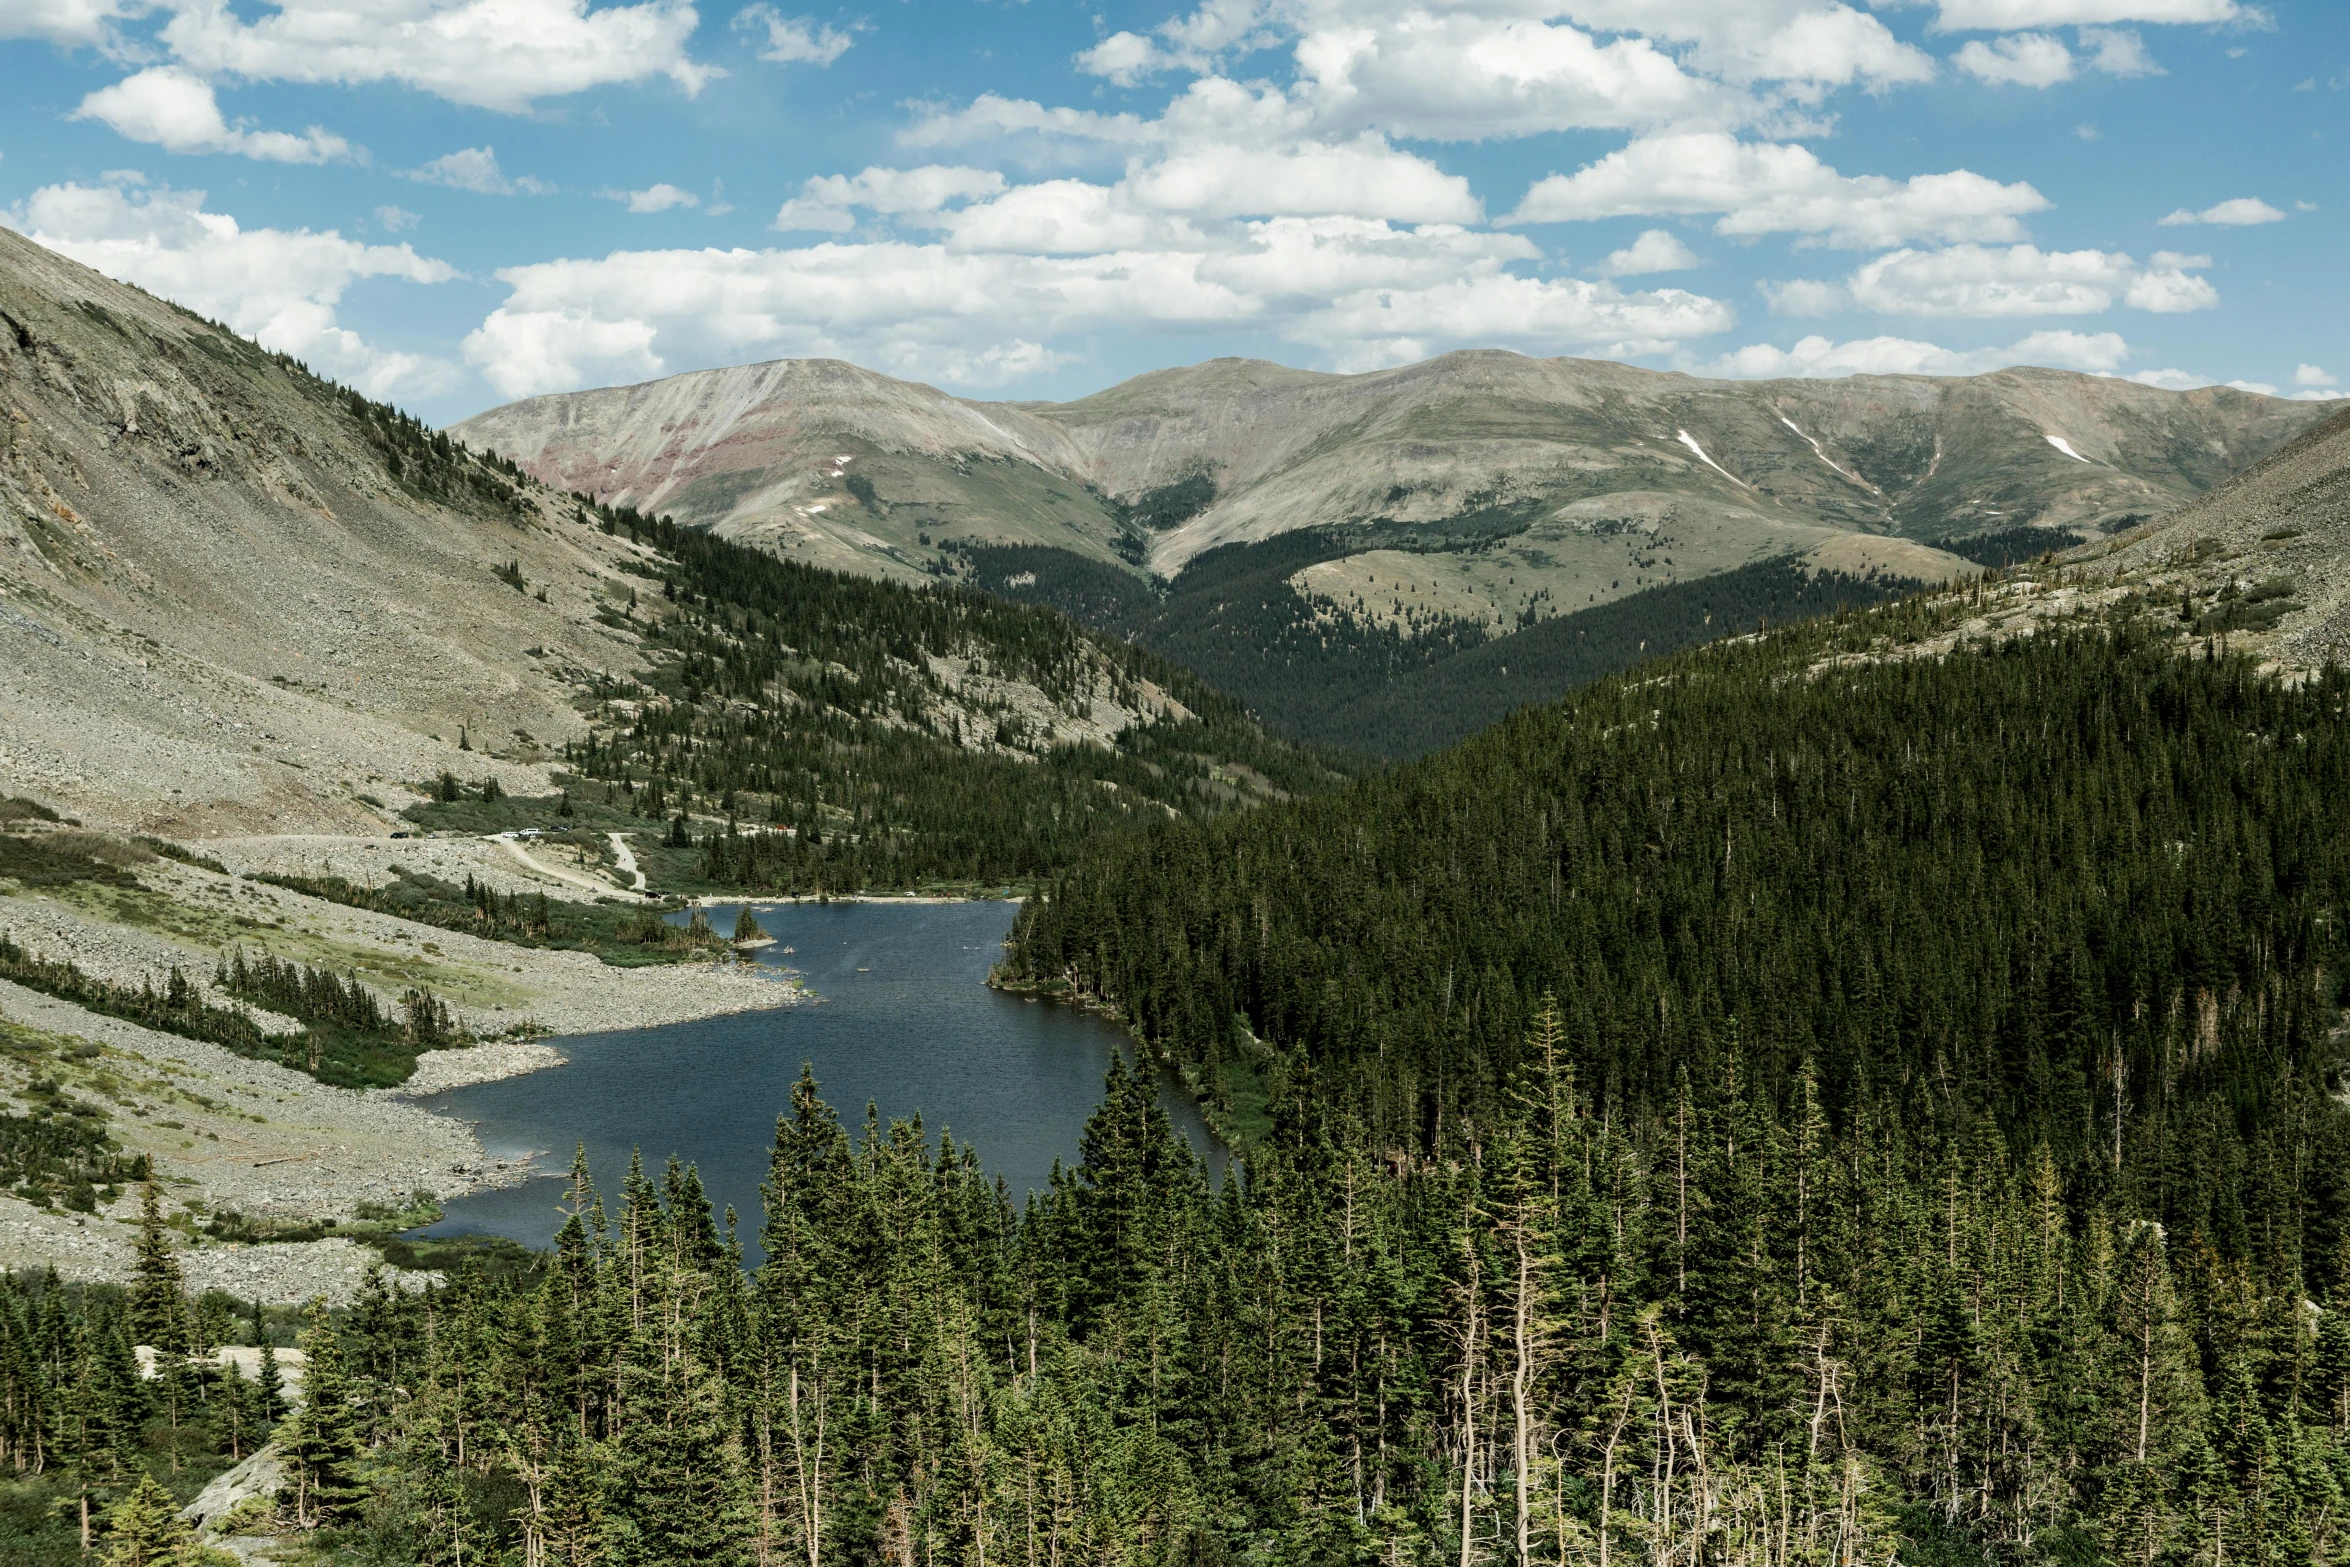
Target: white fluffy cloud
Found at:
x=2042, y=60
x=1656, y=250
x=1066, y=218
x=2101, y=352
x=991, y=117
x=1449, y=71
x=279, y=286
x=176, y=111
x=1463, y=76
x=1999, y=15
x=1768, y=188
x=660, y=197
x=2023, y=280
x=490, y=54
x=1805, y=297
x=476, y=169
x=1806, y=43
x=825, y=202
x=1386, y=326
x=1211, y=167
x=2312, y=375
x=1361, y=178
x=1359, y=289
x=2018, y=60
x=794, y=40
x=2118, y=52
x=2243, y=212
x=1198, y=42
x=66, y=23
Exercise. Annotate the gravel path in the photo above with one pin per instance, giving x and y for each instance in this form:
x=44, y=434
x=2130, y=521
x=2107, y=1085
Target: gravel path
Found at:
x=569, y=878
x=627, y=860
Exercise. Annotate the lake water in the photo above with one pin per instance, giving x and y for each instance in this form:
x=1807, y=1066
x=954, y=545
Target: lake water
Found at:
x=905, y=1021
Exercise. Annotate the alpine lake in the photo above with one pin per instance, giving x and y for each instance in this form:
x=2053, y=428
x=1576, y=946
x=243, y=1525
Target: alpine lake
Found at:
x=901, y=1019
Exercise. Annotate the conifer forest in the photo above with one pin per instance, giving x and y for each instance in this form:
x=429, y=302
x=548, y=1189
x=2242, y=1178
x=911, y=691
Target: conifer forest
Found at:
x=1774, y=1108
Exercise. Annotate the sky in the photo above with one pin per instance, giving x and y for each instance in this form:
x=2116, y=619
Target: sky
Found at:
x=451, y=204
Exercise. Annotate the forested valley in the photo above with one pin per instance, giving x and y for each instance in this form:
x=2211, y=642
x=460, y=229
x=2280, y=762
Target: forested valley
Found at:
x=1782, y=1107
x=1234, y=617
x=1886, y=1099
x=839, y=734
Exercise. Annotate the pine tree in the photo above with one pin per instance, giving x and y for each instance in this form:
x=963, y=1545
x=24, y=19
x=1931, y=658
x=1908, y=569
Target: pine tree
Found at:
x=673, y=1492
x=269, y=1390
x=144, y=1529
x=158, y=1307
x=321, y=1439
x=451, y=1533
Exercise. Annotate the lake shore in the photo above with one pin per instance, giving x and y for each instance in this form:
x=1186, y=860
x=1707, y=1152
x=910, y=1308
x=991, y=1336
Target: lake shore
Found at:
x=732, y=899
x=907, y=1025
x=228, y=1134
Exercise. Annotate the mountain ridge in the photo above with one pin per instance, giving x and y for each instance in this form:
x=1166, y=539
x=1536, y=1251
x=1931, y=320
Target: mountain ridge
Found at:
x=741, y=449
x=1411, y=512
x=236, y=598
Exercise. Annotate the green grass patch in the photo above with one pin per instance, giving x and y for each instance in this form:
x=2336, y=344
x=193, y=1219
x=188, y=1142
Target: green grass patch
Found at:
x=58, y=1154
x=345, y=1044
x=623, y=935
x=60, y=859
x=371, y=1222
x=494, y=1256
x=513, y=812
x=181, y=853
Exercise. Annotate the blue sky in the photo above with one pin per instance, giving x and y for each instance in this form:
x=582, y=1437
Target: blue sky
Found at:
x=451, y=203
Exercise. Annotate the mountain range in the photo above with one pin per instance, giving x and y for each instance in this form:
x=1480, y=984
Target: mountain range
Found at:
x=1385, y=523
x=236, y=598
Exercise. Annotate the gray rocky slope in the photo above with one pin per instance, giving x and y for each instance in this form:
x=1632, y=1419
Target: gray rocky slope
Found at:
x=222, y=611
x=236, y=599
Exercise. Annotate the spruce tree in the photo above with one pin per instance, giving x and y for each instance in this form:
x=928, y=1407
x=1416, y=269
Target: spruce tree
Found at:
x=157, y=1302
x=144, y=1529
x=321, y=1439
x=269, y=1390
x=673, y=1491
x=450, y=1532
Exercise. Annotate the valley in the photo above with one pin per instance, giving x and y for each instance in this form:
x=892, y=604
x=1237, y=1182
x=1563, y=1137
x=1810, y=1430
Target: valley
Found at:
x=1426, y=511
x=1873, y=954
x=290, y=677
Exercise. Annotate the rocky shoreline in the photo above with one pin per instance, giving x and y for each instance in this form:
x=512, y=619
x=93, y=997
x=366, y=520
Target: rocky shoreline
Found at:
x=244, y=1145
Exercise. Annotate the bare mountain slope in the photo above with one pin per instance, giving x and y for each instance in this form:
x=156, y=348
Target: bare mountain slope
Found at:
x=233, y=597
x=2264, y=561
x=764, y=453
x=1526, y=487
x=237, y=598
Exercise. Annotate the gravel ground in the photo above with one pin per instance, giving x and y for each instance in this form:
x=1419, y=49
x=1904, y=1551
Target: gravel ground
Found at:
x=369, y=859
x=91, y=1248
x=437, y=1070
x=226, y=1132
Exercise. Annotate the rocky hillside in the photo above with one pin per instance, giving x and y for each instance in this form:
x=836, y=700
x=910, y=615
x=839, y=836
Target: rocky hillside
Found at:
x=235, y=598
x=2263, y=563
x=1520, y=488
x=1356, y=556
